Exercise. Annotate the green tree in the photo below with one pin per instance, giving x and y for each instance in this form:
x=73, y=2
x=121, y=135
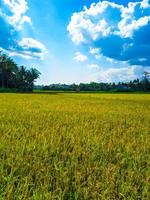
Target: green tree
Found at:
x=146, y=82
x=25, y=78
x=7, y=68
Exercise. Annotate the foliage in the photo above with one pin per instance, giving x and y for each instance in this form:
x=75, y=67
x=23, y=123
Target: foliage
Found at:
x=74, y=146
x=12, y=76
x=136, y=85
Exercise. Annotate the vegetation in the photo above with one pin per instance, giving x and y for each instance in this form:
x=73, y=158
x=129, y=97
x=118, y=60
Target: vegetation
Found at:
x=12, y=76
x=74, y=146
x=136, y=85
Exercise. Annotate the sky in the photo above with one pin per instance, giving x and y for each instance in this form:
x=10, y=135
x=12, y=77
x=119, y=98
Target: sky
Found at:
x=71, y=41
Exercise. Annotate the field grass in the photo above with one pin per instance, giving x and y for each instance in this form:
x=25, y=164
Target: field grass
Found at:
x=74, y=146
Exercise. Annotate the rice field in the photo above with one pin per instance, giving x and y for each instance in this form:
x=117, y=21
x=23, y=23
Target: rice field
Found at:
x=74, y=146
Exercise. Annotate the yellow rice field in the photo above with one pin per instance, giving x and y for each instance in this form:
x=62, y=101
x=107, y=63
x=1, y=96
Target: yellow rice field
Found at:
x=74, y=146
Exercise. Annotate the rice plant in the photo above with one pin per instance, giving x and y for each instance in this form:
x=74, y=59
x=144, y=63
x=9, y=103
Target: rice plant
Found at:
x=74, y=146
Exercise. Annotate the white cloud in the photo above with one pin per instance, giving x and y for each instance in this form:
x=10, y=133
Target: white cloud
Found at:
x=17, y=6
x=120, y=74
x=13, y=15
x=101, y=7
x=80, y=57
x=32, y=48
x=82, y=22
x=18, y=9
x=95, y=52
x=127, y=29
x=91, y=23
x=93, y=66
x=111, y=60
x=145, y=4
x=96, y=22
x=27, y=43
x=26, y=55
x=120, y=32
x=29, y=48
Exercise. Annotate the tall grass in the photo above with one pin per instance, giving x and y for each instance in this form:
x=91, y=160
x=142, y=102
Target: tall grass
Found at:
x=74, y=146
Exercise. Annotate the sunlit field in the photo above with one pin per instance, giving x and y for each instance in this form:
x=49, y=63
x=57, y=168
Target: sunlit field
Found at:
x=74, y=146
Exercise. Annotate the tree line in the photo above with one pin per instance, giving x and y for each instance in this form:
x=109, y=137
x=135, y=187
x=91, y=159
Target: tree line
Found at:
x=22, y=79
x=135, y=85
x=16, y=77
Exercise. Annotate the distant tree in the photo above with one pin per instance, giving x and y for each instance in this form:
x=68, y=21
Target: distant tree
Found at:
x=146, y=82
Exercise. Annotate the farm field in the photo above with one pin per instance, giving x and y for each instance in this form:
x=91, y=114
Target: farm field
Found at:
x=74, y=146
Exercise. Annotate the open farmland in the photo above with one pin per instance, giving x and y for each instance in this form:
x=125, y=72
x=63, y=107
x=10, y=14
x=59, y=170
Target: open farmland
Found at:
x=74, y=146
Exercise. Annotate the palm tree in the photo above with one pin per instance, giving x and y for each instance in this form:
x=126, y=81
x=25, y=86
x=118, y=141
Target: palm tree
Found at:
x=25, y=78
x=16, y=77
x=7, y=68
x=32, y=75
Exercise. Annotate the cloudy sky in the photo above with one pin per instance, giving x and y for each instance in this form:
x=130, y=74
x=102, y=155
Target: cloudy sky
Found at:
x=78, y=41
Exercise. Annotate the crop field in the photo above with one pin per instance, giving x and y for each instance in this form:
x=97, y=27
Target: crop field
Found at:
x=74, y=146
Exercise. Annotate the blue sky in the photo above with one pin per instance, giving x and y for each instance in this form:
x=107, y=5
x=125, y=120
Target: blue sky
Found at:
x=78, y=41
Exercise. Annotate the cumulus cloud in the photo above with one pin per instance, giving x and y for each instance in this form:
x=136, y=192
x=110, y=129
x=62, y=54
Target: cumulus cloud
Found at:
x=13, y=17
x=17, y=14
x=121, y=32
x=80, y=57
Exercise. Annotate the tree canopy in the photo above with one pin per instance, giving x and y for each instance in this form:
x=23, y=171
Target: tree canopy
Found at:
x=14, y=76
x=135, y=85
